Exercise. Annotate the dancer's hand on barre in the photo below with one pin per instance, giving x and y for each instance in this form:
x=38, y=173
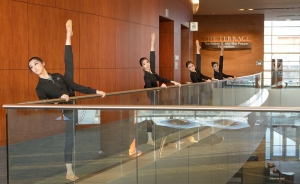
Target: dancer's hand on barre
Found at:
x=163, y=85
x=213, y=79
x=66, y=97
x=101, y=93
x=176, y=83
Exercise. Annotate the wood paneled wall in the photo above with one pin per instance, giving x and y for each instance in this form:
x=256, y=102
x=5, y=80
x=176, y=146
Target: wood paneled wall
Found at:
x=236, y=62
x=109, y=38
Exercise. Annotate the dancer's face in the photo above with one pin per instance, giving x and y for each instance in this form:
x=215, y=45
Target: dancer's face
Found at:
x=216, y=67
x=36, y=66
x=146, y=65
x=191, y=67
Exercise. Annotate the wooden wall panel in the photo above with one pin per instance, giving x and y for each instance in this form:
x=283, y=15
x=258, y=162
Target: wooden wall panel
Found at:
x=14, y=87
x=107, y=42
x=50, y=3
x=150, y=12
x=19, y=37
x=21, y=0
x=68, y=4
x=134, y=50
x=136, y=78
x=108, y=8
x=134, y=8
x=89, y=48
x=188, y=4
x=122, y=79
x=5, y=35
x=47, y=35
x=122, y=43
x=236, y=62
x=185, y=55
x=122, y=9
x=101, y=79
x=90, y=6
x=109, y=38
x=172, y=7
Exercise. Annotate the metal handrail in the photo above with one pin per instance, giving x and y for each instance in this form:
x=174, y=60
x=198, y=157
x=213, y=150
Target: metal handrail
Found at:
x=122, y=92
x=151, y=107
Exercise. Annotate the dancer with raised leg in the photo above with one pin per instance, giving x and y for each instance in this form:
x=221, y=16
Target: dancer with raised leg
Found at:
x=55, y=85
x=195, y=72
x=218, y=67
x=151, y=78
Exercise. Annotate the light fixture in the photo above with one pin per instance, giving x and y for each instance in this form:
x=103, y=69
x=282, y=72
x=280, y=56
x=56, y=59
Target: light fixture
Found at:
x=250, y=9
x=241, y=9
x=195, y=5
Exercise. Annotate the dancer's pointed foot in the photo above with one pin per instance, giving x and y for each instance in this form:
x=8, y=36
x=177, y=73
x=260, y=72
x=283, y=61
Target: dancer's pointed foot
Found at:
x=192, y=139
x=197, y=44
x=135, y=153
x=151, y=142
x=153, y=38
x=69, y=27
x=71, y=177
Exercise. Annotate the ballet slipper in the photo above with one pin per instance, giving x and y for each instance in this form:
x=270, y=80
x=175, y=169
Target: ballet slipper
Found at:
x=71, y=177
x=151, y=142
x=197, y=44
x=192, y=139
x=135, y=153
x=69, y=26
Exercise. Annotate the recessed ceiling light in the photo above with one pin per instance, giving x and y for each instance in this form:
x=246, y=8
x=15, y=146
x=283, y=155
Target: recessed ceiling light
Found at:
x=250, y=9
x=241, y=9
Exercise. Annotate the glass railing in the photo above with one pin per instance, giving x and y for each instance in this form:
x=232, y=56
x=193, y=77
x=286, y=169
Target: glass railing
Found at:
x=282, y=79
x=110, y=132
x=190, y=144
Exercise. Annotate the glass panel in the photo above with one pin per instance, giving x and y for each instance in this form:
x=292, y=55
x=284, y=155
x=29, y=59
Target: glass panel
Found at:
x=41, y=146
x=286, y=31
x=285, y=40
x=267, y=57
x=284, y=48
x=199, y=143
x=267, y=31
x=267, y=48
x=267, y=39
x=286, y=23
x=267, y=23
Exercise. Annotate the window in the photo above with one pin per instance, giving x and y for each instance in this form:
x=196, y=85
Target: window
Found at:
x=282, y=41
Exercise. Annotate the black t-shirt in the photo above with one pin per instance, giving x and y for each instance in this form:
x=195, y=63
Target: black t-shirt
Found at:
x=152, y=78
x=198, y=76
x=59, y=85
x=220, y=75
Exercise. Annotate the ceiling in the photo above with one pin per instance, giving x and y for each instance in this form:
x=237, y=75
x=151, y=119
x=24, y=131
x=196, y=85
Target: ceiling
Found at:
x=274, y=10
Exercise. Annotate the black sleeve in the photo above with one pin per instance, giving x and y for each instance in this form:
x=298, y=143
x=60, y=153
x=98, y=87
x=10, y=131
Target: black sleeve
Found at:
x=152, y=61
x=226, y=76
x=160, y=79
x=41, y=93
x=221, y=64
x=77, y=87
x=205, y=77
x=198, y=63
